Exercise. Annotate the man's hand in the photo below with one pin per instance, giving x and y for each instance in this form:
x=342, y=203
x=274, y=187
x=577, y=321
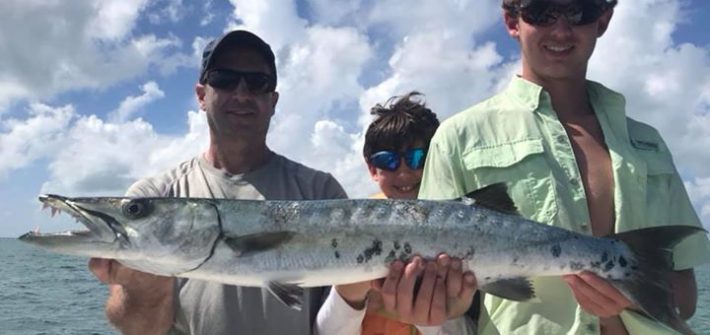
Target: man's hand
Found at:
x=596, y=296
x=138, y=303
x=445, y=292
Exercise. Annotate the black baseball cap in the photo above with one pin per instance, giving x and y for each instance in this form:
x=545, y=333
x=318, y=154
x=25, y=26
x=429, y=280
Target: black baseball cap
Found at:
x=236, y=38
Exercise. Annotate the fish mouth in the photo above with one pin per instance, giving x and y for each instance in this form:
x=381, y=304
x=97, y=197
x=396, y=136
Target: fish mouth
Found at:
x=99, y=227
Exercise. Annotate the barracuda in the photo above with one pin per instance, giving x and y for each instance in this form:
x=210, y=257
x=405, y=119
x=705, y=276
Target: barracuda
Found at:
x=287, y=245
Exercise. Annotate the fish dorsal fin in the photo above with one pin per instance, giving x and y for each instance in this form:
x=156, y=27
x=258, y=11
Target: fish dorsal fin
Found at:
x=253, y=243
x=494, y=196
x=290, y=295
x=516, y=289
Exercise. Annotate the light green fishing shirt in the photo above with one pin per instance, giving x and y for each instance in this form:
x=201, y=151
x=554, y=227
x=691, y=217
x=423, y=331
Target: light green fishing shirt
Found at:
x=515, y=137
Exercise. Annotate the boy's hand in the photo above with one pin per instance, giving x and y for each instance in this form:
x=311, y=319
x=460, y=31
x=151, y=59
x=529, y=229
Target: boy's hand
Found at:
x=445, y=291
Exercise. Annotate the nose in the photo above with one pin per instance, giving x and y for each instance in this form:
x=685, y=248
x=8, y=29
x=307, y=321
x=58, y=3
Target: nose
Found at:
x=241, y=91
x=561, y=27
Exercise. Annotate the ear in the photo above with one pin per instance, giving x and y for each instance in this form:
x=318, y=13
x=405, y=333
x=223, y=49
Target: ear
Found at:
x=512, y=24
x=274, y=101
x=373, y=172
x=603, y=22
x=200, y=94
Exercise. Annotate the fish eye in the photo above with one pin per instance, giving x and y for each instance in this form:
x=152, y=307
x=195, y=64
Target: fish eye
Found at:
x=135, y=209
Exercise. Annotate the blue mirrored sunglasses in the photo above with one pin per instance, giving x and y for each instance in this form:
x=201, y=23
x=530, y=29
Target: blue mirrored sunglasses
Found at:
x=390, y=160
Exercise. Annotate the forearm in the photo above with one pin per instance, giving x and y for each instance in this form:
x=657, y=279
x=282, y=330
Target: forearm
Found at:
x=337, y=317
x=145, y=313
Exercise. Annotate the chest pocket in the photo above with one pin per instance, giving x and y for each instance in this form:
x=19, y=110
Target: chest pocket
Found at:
x=659, y=176
x=523, y=167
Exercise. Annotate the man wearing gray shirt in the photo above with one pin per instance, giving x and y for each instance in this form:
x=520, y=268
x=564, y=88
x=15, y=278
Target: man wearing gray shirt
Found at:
x=236, y=90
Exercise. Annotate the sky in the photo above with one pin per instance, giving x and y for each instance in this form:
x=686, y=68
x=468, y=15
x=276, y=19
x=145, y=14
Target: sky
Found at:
x=95, y=94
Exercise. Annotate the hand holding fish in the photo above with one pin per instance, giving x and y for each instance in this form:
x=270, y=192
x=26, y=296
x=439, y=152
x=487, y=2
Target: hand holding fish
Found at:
x=445, y=291
x=596, y=296
x=139, y=302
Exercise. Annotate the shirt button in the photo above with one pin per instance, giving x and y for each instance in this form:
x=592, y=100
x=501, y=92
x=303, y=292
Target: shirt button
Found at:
x=574, y=181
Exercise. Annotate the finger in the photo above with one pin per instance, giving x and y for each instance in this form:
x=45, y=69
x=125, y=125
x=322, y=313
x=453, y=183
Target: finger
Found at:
x=454, y=279
x=100, y=268
x=469, y=287
x=438, y=312
x=605, y=288
x=588, y=299
x=405, y=291
x=389, y=286
x=422, y=305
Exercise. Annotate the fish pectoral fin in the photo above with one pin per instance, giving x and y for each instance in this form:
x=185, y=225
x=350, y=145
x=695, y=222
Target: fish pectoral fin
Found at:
x=253, y=243
x=494, y=196
x=289, y=294
x=516, y=289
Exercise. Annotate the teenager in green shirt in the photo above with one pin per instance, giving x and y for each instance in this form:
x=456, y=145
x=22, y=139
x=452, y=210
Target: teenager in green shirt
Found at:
x=573, y=159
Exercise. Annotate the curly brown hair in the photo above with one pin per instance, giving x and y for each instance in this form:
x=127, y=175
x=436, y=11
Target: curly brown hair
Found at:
x=400, y=122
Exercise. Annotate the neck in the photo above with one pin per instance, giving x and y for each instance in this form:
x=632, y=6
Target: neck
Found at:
x=569, y=96
x=237, y=157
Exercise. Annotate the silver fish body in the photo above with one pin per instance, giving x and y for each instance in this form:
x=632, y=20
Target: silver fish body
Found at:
x=282, y=245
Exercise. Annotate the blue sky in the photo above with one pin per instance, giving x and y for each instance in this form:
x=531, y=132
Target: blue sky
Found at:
x=96, y=94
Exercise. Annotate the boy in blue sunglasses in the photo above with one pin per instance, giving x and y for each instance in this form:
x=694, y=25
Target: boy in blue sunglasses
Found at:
x=413, y=299
x=396, y=143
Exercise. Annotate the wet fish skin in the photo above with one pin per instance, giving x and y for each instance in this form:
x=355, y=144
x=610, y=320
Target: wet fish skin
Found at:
x=283, y=245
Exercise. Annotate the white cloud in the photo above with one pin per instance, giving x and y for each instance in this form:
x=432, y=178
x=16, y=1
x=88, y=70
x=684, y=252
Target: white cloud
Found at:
x=103, y=158
x=666, y=84
x=134, y=104
x=114, y=19
x=167, y=11
x=41, y=134
x=207, y=13
x=75, y=45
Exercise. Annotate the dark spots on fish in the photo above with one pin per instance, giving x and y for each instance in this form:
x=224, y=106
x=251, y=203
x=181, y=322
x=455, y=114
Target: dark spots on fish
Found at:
x=391, y=257
x=591, y=327
x=488, y=278
x=622, y=261
x=563, y=266
x=337, y=254
x=576, y=266
x=608, y=266
x=334, y=243
x=404, y=257
x=627, y=274
x=360, y=259
x=515, y=259
x=605, y=257
x=634, y=267
x=397, y=245
x=556, y=250
x=595, y=265
x=374, y=250
x=407, y=248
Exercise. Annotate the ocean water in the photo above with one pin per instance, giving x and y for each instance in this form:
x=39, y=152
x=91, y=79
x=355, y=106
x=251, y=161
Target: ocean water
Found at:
x=46, y=294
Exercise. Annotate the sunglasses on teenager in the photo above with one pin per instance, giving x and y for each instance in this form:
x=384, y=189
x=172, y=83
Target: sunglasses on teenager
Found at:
x=257, y=82
x=543, y=13
x=390, y=160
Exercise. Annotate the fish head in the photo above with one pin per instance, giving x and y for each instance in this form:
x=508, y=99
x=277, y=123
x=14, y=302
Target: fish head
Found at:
x=164, y=233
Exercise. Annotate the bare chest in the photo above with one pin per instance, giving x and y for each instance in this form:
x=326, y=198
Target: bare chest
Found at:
x=594, y=163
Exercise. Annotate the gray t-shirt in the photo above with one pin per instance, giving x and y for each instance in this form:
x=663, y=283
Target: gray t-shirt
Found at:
x=206, y=308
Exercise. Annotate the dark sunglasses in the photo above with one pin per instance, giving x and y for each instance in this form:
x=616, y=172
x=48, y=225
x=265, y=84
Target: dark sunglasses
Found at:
x=390, y=160
x=546, y=13
x=257, y=82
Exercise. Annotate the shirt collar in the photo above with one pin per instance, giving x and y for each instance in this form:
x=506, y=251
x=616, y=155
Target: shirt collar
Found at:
x=606, y=103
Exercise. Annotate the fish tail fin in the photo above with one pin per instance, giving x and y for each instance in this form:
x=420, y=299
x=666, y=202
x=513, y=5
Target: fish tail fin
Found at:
x=649, y=288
